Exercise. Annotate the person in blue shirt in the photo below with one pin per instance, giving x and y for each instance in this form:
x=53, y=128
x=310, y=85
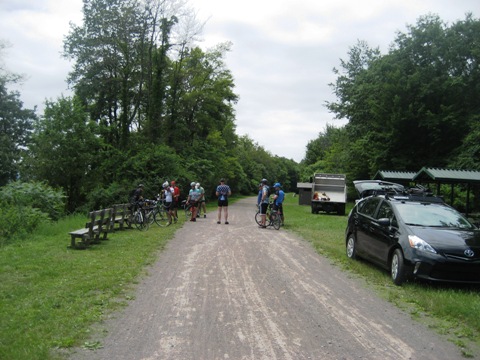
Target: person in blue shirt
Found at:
x=278, y=200
x=223, y=192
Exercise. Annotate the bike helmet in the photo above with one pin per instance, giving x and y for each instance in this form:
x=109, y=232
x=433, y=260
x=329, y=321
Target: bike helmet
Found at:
x=192, y=183
x=277, y=185
x=165, y=184
x=264, y=181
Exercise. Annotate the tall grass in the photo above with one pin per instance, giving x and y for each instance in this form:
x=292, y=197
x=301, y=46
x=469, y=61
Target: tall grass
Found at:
x=50, y=296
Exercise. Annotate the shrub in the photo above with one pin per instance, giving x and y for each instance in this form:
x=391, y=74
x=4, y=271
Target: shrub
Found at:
x=36, y=195
x=102, y=197
x=23, y=206
x=18, y=221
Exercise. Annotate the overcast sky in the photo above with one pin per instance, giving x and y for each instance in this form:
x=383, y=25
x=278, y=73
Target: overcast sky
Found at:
x=282, y=56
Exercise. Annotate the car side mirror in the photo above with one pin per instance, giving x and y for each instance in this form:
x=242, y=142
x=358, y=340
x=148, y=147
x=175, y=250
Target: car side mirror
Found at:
x=384, y=222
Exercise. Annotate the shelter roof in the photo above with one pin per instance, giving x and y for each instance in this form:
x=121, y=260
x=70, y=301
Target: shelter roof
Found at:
x=447, y=176
x=394, y=175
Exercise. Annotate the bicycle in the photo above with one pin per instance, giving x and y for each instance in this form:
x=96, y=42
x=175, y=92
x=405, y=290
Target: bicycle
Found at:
x=272, y=217
x=158, y=213
x=188, y=209
x=139, y=218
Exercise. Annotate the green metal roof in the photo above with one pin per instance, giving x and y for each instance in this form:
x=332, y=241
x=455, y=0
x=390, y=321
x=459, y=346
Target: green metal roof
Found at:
x=447, y=175
x=394, y=175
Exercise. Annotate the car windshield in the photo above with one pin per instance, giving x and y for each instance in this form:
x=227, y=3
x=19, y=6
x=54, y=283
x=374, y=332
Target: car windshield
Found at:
x=432, y=215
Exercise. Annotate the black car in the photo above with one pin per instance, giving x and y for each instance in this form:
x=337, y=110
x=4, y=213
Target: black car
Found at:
x=412, y=235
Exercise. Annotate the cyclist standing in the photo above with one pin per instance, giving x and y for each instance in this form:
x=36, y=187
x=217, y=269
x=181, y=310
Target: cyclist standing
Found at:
x=168, y=193
x=223, y=192
x=193, y=197
x=278, y=200
x=176, y=199
x=264, y=203
x=201, y=203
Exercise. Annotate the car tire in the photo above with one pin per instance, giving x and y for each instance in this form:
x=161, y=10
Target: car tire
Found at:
x=398, y=270
x=351, y=246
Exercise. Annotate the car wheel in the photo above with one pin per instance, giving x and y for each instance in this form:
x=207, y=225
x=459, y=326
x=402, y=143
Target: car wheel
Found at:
x=397, y=268
x=351, y=251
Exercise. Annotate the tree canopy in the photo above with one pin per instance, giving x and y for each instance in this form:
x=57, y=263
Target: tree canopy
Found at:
x=149, y=105
x=415, y=106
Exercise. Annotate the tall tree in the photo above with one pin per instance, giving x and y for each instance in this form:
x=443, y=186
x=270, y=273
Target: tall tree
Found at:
x=65, y=150
x=110, y=50
x=16, y=124
x=15, y=128
x=158, y=84
x=414, y=104
x=201, y=98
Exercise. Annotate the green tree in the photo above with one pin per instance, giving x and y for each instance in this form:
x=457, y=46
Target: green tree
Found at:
x=65, y=150
x=110, y=51
x=15, y=124
x=201, y=99
x=415, y=104
x=158, y=83
x=15, y=129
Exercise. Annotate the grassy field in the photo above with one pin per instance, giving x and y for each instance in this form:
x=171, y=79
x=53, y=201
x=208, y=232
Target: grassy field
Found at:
x=51, y=296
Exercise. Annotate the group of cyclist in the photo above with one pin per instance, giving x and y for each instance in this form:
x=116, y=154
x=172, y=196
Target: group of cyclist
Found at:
x=196, y=198
x=263, y=201
x=170, y=195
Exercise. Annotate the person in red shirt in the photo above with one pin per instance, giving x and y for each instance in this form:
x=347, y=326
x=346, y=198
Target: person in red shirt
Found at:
x=176, y=199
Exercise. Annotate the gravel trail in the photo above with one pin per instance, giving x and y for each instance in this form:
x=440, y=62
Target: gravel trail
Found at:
x=240, y=292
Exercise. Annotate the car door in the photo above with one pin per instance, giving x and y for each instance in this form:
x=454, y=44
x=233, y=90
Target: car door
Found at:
x=382, y=235
x=363, y=221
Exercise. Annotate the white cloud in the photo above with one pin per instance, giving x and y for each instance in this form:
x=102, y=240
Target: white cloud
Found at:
x=282, y=56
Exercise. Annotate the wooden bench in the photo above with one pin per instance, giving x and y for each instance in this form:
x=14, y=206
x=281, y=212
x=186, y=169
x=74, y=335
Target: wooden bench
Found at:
x=121, y=215
x=97, y=226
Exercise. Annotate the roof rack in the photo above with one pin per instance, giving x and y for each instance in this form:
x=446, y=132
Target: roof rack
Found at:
x=418, y=193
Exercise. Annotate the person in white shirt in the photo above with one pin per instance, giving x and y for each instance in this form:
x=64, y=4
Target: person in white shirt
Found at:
x=168, y=196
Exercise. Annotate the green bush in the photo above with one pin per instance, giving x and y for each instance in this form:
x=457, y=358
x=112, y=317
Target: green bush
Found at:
x=36, y=195
x=18, y=221
x=23, y=206
x=103, y=197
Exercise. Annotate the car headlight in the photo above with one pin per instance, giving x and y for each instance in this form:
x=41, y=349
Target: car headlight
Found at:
x=419, y=244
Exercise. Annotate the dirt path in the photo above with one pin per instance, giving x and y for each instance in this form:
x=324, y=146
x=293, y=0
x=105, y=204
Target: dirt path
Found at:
x=240, y=292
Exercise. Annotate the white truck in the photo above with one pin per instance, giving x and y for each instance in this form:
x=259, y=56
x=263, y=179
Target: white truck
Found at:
x=329, y=193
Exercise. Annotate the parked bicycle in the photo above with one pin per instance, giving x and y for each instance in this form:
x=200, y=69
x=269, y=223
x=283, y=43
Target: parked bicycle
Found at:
x=139, y=216
x=272, y=218
x=188, y=209
x=158, y=213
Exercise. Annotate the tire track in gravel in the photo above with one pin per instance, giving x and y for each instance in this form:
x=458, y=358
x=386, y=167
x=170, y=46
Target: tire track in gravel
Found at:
x=239, y=292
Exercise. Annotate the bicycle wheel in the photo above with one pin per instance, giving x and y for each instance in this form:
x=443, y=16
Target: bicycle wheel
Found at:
x=140, y=222
x=188, y=212
x=276, y=221
x=258, y=218
x=151, y=216
x=161, y=217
